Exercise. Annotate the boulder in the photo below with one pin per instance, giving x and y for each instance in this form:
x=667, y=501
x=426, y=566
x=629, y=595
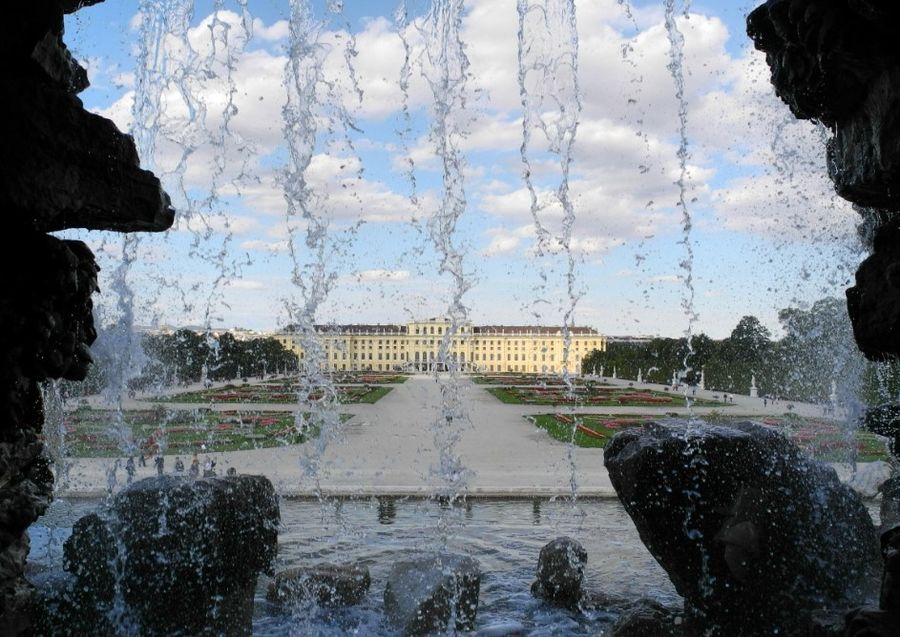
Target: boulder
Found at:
x=890, y=580
x=873, y=304
x=424, y=595
x=890, y=502
x=648, y=618
x=560, y=572
x=752, y=532
x=328, y=585
x=181, y=555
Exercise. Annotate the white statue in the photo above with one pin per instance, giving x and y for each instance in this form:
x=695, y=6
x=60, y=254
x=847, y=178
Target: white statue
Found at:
x=702, y=384
x=754, y=392
x=640, y=377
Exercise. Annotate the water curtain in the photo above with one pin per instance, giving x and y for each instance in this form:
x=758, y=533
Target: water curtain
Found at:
x=551, y=102
x=449, y=66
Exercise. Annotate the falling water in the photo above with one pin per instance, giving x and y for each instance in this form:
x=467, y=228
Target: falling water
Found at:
x=310, y=96
x=548, y=86
x=446, y=54
x=401, y=21
x=676, y=69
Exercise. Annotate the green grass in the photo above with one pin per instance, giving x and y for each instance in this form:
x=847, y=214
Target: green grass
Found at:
x=268, y=393
x=821, y=439
x=596, y=397
x=94, y=432
x=563, y=431
x=374, y=395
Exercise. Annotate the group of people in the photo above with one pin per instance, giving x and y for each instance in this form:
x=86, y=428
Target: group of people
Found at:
x=209, y=466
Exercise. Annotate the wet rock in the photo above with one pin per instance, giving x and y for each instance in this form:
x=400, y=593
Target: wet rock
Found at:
x=874, y=302
x=424, y=595
x=182, y=555
x=648, y=618
x=61, y=167
x=835, y=61
x=327, y=585
x=827, y=623
x=890, y=581
x=871, y=622
x=738, y=515
x=560, y=572
x=64, y=167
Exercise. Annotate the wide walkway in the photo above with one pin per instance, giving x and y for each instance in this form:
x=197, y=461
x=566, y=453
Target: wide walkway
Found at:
x=388, y=449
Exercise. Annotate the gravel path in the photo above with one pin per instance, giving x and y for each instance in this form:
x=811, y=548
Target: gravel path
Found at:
x=388, y=448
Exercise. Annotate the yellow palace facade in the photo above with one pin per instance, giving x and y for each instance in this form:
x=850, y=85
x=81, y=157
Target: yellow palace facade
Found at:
x=416, y=346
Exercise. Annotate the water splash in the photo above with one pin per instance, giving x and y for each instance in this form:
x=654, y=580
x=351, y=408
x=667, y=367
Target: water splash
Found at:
x=313, y=97
x=676, y=69
x=551, y=100
x=445, y=52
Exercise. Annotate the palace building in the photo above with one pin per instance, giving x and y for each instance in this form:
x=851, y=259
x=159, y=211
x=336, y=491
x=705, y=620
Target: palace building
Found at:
x=416, y=346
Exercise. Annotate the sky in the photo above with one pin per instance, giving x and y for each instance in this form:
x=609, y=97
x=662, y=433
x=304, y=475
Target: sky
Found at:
x=766, y=231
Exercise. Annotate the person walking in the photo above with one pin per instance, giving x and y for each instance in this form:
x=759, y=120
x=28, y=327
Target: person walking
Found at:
x=194, y=471
x=158, y=461
x=129, y=469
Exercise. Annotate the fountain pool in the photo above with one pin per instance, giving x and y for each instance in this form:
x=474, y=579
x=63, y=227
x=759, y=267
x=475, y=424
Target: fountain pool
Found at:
x=505, y=536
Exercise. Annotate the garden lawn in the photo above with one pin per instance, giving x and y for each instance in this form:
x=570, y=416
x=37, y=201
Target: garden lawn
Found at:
x=270, y=393
x=594, y=396
x=95, y=432
x=823, y=440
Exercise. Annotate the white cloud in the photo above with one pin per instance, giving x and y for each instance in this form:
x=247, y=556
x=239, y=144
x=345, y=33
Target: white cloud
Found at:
x=264, y=246
x=381, y=275
x=246, y=284
x=274, y=32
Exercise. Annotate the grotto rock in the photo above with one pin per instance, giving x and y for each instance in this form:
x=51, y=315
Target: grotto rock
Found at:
x=62, y=166
x=874, y=302
x=890, y=503
x=871, y=622
x=560, y=572
x=890, y=580
x=328, y=585
x=423, y=595
x=182, y=555
x=827, y=623
x=836, y=61
x=648, y=618
x=737, y=516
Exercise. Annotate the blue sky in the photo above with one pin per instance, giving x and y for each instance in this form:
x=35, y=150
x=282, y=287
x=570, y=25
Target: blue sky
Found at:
x=767, y=230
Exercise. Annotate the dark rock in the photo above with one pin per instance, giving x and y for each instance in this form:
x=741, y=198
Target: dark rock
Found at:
x=423, y=595
x=836, y=61
x=827, y=623
x=874, y=302
x=864, y=154
x=182, y=555
x=560, y=572
x=649, y=618
x=328, y=585
x=890, y=502
x=890, y=580
x=62, y=166
x=871, y=622
x=752, y=532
